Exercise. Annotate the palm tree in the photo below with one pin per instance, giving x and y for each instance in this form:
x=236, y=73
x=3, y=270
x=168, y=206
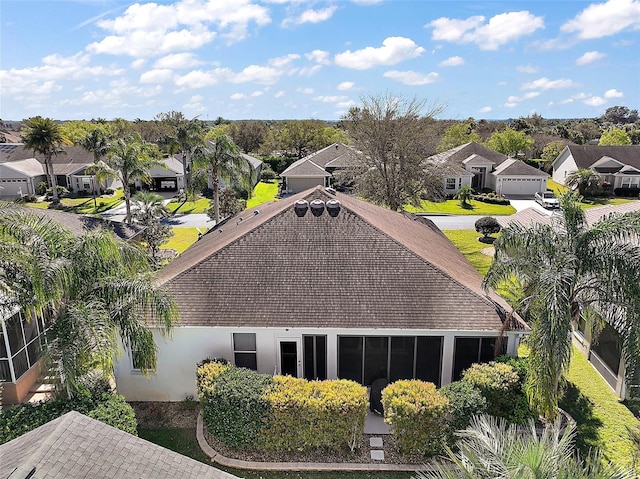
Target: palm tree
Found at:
x=464, y=195
x=95, y=288
x=129, y=159
x=97, y=142
x=186, y=138
x=585, y=180
x=490, y=448
x=220, y=160
x=148, y=210
x=42, y=135
x=568, y=270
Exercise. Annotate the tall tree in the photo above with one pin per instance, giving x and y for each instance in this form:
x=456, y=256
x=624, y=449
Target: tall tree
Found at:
x=95, y=289
x=42, y=135
x=620, y=115
x=459, y=134
x=614, y=136
x=248, y=134
x=220, y=160
x=148, y=210
x=490, y=449
x=395, y=141
x=510, y=142
x=129, y=159
x=187, y=136
x=569, y=269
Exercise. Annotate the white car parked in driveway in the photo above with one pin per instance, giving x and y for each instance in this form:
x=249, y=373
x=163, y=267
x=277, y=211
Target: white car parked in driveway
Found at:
x=547, y=199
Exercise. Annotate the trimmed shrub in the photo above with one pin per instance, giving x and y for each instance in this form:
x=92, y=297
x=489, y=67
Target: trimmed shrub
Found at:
x=208, y=371
x=519, y=364
x=234, y=403
x=314, y=414
x=487, y=225
x=111, y=409
x=501, y=386
x=627, y=192
x=268, y=175
x=416, y=412
x=494, y=200
x=465, y=401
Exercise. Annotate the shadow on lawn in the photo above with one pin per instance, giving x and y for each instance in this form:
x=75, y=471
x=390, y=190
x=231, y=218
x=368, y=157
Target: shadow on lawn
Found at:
x=581, y=409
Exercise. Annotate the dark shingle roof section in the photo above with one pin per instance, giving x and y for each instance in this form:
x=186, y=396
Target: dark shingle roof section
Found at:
x=333, y=156
x=76, y=446
x=513, y=167
x=587, y=155
x=366, y=268
x=460, y=153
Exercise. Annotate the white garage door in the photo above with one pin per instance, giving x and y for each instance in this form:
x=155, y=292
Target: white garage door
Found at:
x=521, y=186
x=13, y=188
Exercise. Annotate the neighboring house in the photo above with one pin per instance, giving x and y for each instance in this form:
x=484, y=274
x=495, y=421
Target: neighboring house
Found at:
x=21, y=340
x=357, y=292
x=477, y=166
x=618, y=165
x=317, y=168
x=21, y=177
x=77, y=446
x=256, y=167
x=605, y=354
x=169, y=178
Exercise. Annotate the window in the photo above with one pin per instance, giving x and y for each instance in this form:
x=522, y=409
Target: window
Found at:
x=629, y=182
x=315, y=357
x=244, y=350
x=365, y=359
x=473, y=350
x=138, y=362
x=450, y=184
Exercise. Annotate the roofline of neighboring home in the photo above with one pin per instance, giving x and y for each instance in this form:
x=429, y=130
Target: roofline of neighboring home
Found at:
x=302, y=162
x=11, y=166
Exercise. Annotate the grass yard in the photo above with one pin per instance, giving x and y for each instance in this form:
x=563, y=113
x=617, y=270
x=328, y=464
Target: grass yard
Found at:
x=590, y=202
x=467, y=242
x=84, y=205
x=184, y=442
x=602, y=419
x=182, y=238
x=201, y=205
x=263, y=193
x=452, y=207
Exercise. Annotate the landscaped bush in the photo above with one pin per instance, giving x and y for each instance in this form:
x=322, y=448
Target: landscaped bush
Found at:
x=314, y=414
x=465, y=401
x=234, y=403
x=501, y=386
x=627, y=192
x=494, y=200
x=416, y=412
x=268, y=175
x=109, y=408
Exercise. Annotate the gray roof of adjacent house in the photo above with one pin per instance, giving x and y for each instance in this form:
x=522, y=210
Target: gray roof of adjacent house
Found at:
x=586, y=155
x=253, y=161
x=336, y=155
x=78, y=224
x=72, y=154
x=368, y=267
x=456, y=158
x=29, y=167
x=76, y=446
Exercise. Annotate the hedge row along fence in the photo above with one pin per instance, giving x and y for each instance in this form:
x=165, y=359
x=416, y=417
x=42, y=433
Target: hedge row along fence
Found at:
x=244, y=409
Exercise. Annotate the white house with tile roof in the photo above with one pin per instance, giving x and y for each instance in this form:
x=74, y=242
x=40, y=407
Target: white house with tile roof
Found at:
x=354, y=291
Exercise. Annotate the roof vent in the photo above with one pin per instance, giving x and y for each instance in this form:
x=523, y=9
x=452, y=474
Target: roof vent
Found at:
x=333, y=208
x=317, y=207
x=256, y=212
x=301, y=207
x=330, y=190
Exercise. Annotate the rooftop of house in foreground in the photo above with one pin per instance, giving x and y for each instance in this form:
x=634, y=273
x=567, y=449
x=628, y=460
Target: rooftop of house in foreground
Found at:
x=366, y=267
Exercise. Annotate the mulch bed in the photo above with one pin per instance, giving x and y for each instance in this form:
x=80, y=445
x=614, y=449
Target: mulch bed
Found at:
x=151, y=415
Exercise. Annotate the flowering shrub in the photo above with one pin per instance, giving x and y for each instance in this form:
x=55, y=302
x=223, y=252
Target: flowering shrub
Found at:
x=416, y=412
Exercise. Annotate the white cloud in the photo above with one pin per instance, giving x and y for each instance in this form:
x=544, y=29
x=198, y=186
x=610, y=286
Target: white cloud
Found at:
x=138, y=64
x=195, y=104
x=346, y=86
x=546, y=84
x=613, y=93
x=589, y=57
x=330, y=98
x=257, y=74
x=319, y=56
x=594, y=101
x=157, y=75
x=145, y=30
x=257, y=93
x=485, y=109
x=411, y=78
x=238, y=96
x=452, y=62
x=393, y=50
x=515, y=100
x=279, y=94
x=604, y=19
x=178, y=61
x=311, y=16
x=501, y=29
x=526, y=69
x=201, y=79
x=305, y=91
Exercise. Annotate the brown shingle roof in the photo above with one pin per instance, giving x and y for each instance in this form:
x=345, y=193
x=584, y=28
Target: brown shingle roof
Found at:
x=76, y=446
x=304, y=168
x=366, y=268
x=587, y=155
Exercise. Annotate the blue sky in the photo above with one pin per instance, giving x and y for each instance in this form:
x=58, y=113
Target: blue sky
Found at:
x=279, y=59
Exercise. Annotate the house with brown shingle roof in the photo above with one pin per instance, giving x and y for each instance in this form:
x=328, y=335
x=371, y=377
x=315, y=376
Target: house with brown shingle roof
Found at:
x=480, y=167
x=317, y=168
x=618, y=165
x=322, y=285
x=76, y=446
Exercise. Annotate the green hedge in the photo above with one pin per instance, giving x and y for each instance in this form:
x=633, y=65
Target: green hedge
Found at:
x=110, y=409
x=502, y=387
x=465, y=401
x=234, y=403
x=308, y=415
x=416, y=412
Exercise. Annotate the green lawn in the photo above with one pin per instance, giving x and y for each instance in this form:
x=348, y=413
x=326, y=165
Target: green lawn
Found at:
x=84, y=205
x=452, y=207
x=601, y=417
x=467, y=242
x=182, y=238
x=184, y=442
x=201, y=205
x=589, y=202
x=263, y=193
